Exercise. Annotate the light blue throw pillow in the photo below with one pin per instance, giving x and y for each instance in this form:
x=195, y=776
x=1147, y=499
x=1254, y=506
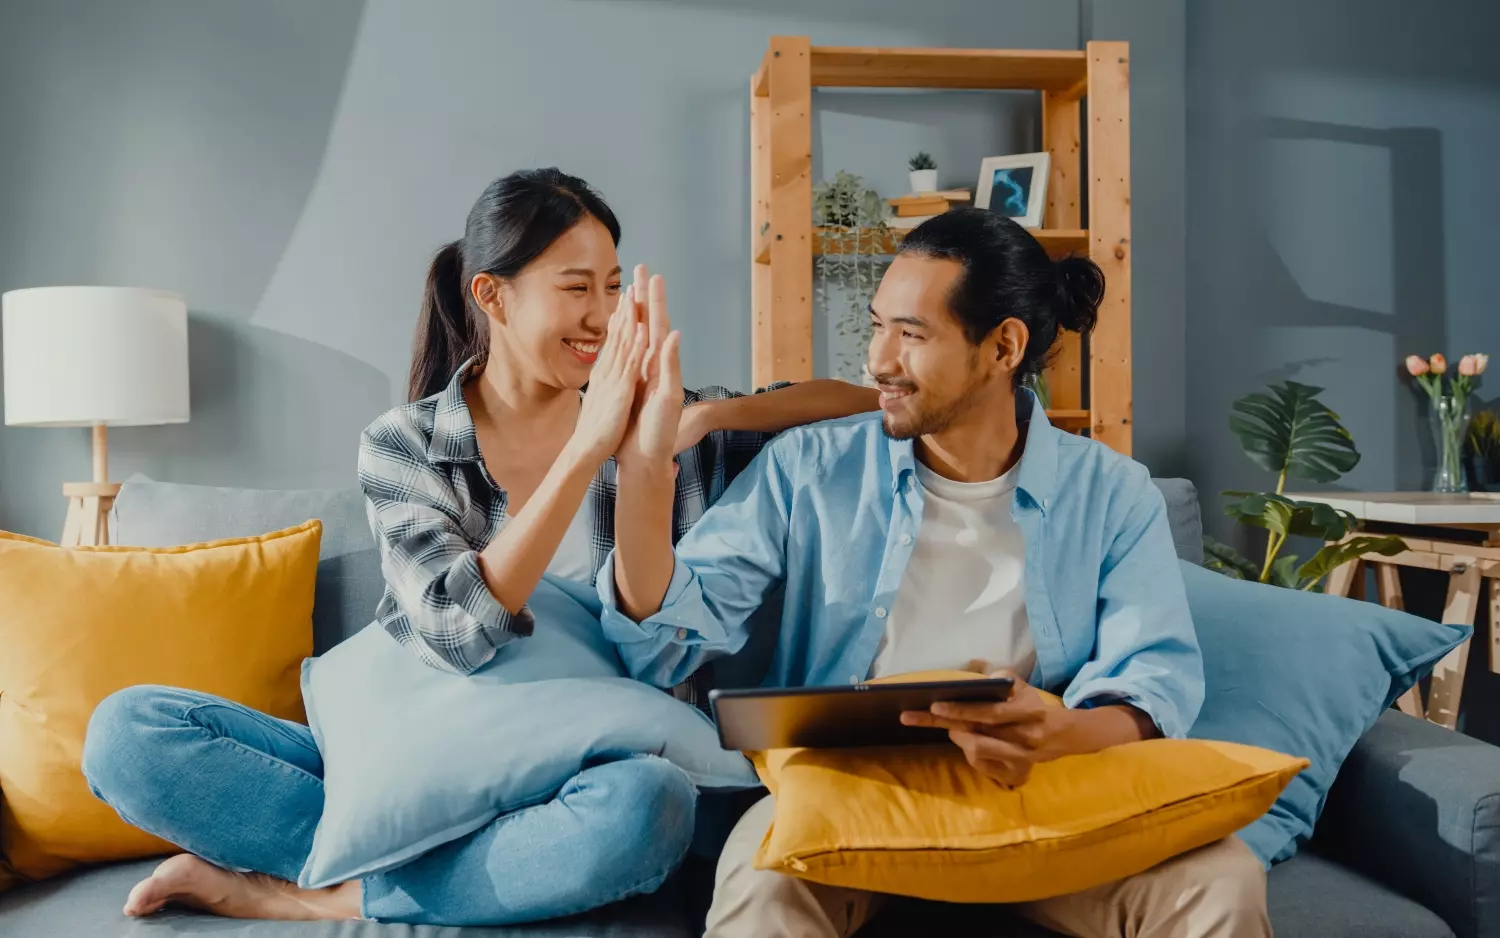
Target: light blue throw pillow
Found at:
x=414, y=757
x=1304, y=674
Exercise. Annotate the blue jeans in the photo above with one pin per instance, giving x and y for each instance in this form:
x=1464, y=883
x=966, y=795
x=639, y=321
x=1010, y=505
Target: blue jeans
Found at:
x=244, y=790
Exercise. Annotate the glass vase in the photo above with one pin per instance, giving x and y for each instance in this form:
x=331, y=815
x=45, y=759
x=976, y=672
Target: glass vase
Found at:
x=1450, y=428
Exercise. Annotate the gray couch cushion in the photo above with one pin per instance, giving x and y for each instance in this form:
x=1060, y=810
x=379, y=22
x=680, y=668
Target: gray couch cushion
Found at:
x=161, y=514
x=87, y=904
x=1184, y=517
x=1313, y=897
x=1309, y=897
x=1437, y=795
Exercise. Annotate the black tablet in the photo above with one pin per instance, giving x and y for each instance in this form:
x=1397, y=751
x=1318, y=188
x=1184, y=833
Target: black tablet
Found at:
x=839, y=717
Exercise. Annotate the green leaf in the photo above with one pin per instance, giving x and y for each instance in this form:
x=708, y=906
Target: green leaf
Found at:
x=1221, y=558
x=1333, y=556
x=1324, y=522
x=1284, y=572
x=1289, y=517
x=1261, y=510
x=1287, y=429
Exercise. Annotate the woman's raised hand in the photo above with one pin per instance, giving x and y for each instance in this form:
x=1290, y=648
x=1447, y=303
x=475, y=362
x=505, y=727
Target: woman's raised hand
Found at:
x=607, y=404
x=652, y=435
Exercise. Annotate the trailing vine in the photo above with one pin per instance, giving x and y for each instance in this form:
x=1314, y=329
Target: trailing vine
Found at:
x=851, y=222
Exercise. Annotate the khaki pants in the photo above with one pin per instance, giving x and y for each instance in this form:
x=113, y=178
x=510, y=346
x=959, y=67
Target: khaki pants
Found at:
x=1217, y=891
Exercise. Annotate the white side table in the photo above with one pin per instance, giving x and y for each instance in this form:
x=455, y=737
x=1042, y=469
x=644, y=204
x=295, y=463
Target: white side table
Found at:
x=1469, y=552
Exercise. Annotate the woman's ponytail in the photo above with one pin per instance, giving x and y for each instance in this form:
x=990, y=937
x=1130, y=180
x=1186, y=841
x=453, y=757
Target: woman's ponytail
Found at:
x=446, y=335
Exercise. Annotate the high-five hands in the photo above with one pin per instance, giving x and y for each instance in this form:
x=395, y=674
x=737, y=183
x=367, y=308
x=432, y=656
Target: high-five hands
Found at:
x=607, y=404
x=652, y=434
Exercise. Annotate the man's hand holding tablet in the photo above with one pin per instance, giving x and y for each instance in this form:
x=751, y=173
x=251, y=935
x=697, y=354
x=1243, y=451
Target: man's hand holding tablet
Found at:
x=1004, y=739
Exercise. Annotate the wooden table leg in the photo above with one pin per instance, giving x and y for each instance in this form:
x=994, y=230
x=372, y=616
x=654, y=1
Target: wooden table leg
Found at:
x=1388, y=589
x=1448, y=676
x=1341, y=581
x=1494, y=583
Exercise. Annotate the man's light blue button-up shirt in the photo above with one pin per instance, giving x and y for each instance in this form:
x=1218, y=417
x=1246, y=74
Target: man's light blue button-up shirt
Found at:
x=831, y=512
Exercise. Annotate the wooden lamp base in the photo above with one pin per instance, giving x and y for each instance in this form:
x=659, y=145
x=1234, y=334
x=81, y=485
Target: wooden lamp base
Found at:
x=89, y=503
x=87, y=523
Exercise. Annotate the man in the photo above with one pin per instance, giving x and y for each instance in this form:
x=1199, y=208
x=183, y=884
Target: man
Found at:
x=957, y=525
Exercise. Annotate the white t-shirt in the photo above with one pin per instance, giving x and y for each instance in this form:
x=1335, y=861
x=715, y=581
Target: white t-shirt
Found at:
x=963, y=595
x=574, y=559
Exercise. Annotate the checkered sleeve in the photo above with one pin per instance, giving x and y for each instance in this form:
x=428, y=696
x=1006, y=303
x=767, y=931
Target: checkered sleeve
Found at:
x=736, y=447
x=431, y=570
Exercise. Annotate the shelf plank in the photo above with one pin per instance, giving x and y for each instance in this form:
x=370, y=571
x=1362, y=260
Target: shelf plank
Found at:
x=1063, y=70
x=1059, y=242
x=1069, y=418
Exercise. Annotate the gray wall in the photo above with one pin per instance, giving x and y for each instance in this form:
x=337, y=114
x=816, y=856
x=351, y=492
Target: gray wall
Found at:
x=290, y=167
x=1342, y=214
x=1343, y=194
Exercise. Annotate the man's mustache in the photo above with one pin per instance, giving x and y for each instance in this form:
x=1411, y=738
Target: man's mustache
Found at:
x=891, y=381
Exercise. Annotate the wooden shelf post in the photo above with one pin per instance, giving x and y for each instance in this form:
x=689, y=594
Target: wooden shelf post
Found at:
x=1109, y=240
x=782, y=298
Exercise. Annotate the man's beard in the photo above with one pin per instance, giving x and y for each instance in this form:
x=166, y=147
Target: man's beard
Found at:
x=923, y=423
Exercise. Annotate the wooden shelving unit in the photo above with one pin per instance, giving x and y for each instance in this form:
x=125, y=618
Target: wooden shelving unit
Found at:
x=784, y=241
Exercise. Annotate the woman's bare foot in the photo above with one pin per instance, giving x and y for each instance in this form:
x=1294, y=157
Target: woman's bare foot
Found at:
x=189, y=881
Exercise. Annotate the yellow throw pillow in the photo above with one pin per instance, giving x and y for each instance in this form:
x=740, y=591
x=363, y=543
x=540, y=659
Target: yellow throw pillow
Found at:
x=919, y=821
x=231, y=618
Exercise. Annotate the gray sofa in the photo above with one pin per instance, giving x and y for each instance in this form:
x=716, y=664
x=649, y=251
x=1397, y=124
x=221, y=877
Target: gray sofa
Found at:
x=1408, y=846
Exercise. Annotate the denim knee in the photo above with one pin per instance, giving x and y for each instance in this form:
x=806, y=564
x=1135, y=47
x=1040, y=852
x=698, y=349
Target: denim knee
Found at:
x=654, y=804
x=117, y=749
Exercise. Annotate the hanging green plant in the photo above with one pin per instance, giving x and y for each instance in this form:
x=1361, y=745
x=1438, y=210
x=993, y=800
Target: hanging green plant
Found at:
x=852, y=234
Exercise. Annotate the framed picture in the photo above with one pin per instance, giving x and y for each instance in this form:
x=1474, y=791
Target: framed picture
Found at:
x=1015, y=186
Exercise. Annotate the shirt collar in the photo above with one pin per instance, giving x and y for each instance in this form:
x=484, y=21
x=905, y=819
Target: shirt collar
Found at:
x=1038, y=475
x=453, y=437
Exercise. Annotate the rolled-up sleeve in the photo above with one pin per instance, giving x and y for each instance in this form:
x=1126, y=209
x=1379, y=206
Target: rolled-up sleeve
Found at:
x=725, y=566
x=431, y=571
x=1146, y=654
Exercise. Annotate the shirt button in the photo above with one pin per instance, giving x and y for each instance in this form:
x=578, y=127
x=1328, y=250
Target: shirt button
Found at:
x=681, y=634
x=905, y=539
x=880, y=612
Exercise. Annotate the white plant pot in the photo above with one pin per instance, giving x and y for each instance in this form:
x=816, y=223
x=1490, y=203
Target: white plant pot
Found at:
x=924, y=180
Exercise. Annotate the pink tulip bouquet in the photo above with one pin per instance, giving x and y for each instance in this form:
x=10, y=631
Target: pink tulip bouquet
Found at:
x=1450, y=405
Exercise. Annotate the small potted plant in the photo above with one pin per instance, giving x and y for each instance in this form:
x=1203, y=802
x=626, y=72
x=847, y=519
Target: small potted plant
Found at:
x=1484, y=451
x=923, y=173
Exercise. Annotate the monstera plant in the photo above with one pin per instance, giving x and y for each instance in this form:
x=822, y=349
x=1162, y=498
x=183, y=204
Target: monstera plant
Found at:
x=1288, y=431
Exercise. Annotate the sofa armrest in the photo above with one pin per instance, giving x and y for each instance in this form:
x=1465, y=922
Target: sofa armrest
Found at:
x=1417, y=807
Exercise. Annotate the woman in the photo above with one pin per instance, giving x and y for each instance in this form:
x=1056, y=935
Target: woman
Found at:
x=498, y=472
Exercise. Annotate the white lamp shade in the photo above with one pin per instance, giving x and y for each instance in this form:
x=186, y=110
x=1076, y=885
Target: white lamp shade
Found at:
x=83, y=356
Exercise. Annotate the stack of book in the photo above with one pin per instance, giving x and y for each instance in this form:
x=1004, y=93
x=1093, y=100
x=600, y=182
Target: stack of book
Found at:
x=916, y=207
